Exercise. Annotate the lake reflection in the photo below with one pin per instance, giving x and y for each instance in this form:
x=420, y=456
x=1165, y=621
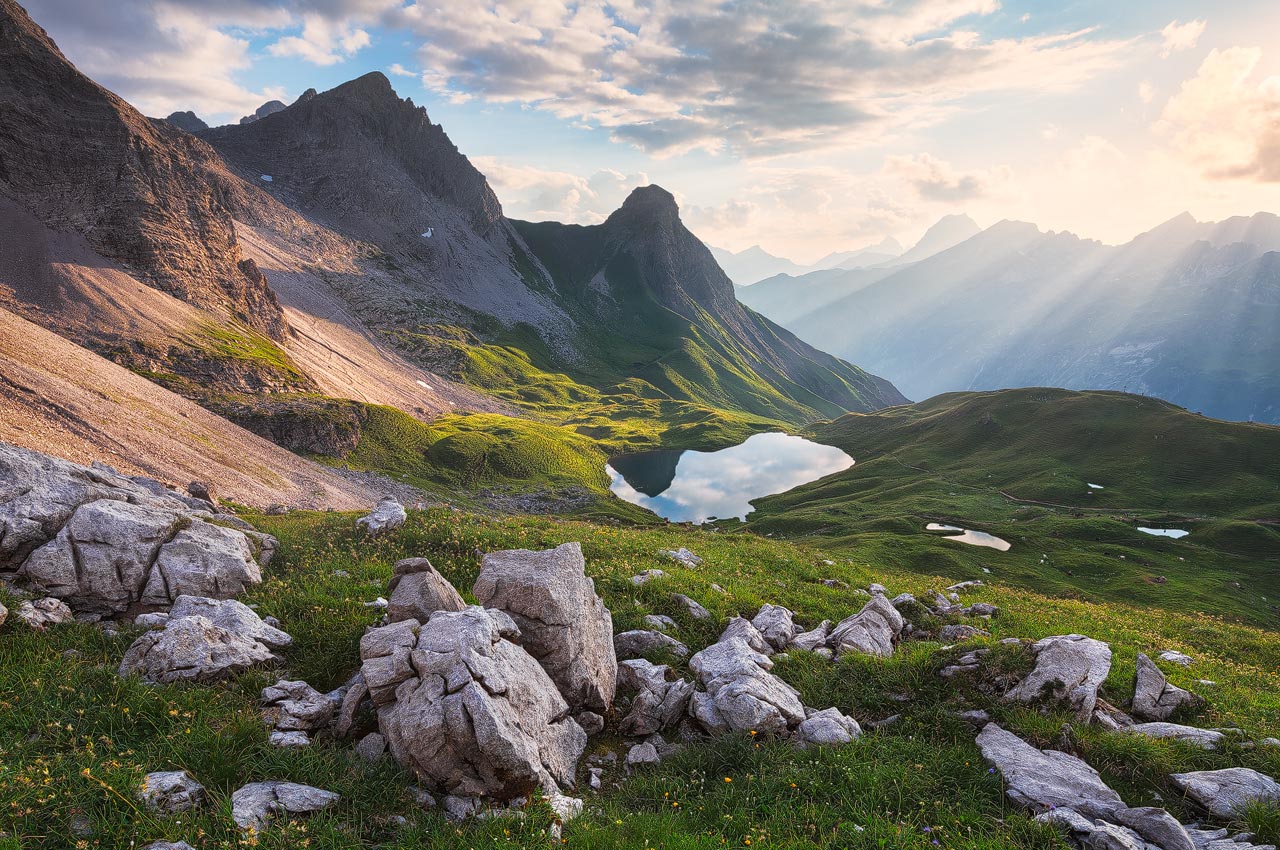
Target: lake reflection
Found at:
x=691, y=486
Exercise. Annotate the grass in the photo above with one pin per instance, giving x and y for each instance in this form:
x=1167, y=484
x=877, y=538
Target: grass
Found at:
x=918, y=781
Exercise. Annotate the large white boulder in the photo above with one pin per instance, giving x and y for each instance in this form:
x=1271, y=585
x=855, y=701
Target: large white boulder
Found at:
x=739, y=693
x=1069, y=669
x=1153, y=697
x=872, y=631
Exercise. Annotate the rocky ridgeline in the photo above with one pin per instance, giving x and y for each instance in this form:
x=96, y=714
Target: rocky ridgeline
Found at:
x=491, y=704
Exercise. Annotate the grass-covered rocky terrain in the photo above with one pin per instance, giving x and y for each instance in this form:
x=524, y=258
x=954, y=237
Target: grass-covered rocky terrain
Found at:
x=75, y=739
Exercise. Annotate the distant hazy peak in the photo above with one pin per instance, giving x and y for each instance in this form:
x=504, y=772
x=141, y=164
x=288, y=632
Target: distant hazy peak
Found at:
x=947, y=232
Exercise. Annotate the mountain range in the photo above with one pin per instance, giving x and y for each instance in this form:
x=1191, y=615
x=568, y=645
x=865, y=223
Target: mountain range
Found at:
x=1185, y=312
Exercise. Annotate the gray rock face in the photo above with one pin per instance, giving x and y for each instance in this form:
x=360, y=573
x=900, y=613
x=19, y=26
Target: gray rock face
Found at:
x=827, y=728
x=776, y=624
x=171, y=791
x=465, y=708
x=418, y=591
x=40, y=614
x=638, y=642
x=872, y=631
x=387, y=516
x=1041, y=779
x=254, y=805
x=204, y=640
x=298, y=706
x=563, y=623
x=1069, y=669
x=739, y=693
x=1208, y=739
x=1225, y=792
x=658, y=703
x=1153, y=697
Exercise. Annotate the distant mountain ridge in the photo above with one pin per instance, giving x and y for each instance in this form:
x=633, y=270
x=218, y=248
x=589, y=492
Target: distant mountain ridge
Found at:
x=1185, y=312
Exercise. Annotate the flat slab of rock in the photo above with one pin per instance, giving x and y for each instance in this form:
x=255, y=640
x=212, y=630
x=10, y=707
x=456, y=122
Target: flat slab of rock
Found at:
x=387, y=516
x=1207, y=739
x=1153, y=697
x=739, y=693
x=872, y=631
x=1040, y=780
x=1069, y=669
x=467, y=709
x=1224, y=793
x=563, y=623
x=417, y=591
x=254, y=805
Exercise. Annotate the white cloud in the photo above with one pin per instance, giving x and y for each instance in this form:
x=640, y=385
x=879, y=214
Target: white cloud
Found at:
x=1225, y=121
x=541, y=194
x=936, y=180
x=398, y=70
x=323, y=41
x=1178, y=36
x=1146, y=92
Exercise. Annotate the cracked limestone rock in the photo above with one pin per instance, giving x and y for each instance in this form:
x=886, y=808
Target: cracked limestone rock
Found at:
x=1069, y=669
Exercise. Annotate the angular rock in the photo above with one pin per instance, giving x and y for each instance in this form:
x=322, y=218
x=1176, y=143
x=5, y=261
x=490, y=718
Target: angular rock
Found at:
x=1224, y=793
x=981, y=609
x=287, y=740
x=692, y=608
x=681, y=556
x=354, y=697
x=1153, y=697
x=591, y=723
x=204, y=640
x=474, y=714
x=872, y=631
x=827, y=728
x=387, y=516
x=230, y=615
x=638, y=642
x=1207, y=739
x=642, y=754
x=1069, y=669
x=1156, y=826
x=776, y=625
x=957, y=632
x=739, y=693
x=1044, y=779
x=812, y=639
x=371, y=747
x=647, y=576
x=658, y=703
x=254, y=805
x=299, y=707
x=171, y=791
x=39, y=614
x=741, y=628
x=417, y=591
x=1175, y=657
x=562, y=622
x=384, y=653
x=660, y=622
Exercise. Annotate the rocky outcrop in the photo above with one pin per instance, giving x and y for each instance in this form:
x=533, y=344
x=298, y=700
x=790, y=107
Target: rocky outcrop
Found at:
x=659, y=702
x=562, y=622
x=874, y=630
x=739, y=694
x=776, y=625
x=188, y=121
x=1153, y=697
x=271, y=107
x=1225, y=793
x=256, y=804
x=469, y=711
x=417, y=591
x=169, y=792
x=1069, y=670
x=203, y=640
x=387, y=516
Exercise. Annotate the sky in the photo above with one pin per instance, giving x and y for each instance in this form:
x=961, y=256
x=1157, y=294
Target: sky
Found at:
x=803, y=127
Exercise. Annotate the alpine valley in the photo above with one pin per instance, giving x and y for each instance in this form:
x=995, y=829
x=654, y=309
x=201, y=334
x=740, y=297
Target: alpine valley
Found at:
x=338, y=509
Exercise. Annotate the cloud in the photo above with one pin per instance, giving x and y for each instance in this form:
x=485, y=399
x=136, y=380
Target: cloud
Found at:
x=399, y=70
x=540, y=194
x=1226, y=122
x=936, y=180
x=756, y=78
x=1178, y=36
x=1146, y=93
x=323, y=41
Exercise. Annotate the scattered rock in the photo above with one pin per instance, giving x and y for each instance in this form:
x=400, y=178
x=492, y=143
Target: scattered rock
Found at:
x=1156, y=826
x=1069, y=669
x=658, y=703
x=872, y=631
x=740, y=694
x=562, y=622
x=458, y=808
x=255, y=804
x=379, y=603
x=418, y=591
x=387, y=516
x=692, y=608
x=827, y=728
x=955, y=633
x=1224, y=793
x=642, y=754
x=681, y=556
x=741, y=628
x=660, y=622
x=168, y=845
x=647, y=576
x=286, y=740
x=467, y=709
x=1044, y=779
x=298, y=706
x=964, y=585
x=591, y=723
x=1153, y=697
x=776, y=625
x=371, y=747
x=42, y=613
x=981, y=609
x=813, y=638
x=638, y=642
x=1175, y=657
x=171, y=791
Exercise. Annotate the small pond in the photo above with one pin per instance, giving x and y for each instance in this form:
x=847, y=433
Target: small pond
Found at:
x=973, y=538
x=692, y=486
x=1175, y=533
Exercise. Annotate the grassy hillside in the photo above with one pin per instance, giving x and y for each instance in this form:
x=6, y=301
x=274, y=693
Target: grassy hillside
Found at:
x=1018, y=463
x=75, y=740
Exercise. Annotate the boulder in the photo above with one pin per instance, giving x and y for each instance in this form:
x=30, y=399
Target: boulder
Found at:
x=681, y=556
x=638, y=642
x=827, y=728
x=1153, y=697
x=1207, y=739
x=371, y=747
x=739, y=693
x=813, y=638
x=562, y=622
x=659, y=702
x=1224, y=793
x=387, y=516
x=1069, y=669
x=298, y=706
x=872, y=631
x=418, y=591
x=742, y=629
x=776, y=624
x=254, y=805
x=1042, y=779
x=690, y=607
x=467, y=709
x=39, y=614
x=171, y=791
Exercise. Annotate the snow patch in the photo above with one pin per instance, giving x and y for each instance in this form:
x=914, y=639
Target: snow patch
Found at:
x=265, y=178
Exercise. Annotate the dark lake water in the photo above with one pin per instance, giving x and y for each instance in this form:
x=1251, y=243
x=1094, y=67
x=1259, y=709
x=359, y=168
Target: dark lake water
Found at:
x=692, y=486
